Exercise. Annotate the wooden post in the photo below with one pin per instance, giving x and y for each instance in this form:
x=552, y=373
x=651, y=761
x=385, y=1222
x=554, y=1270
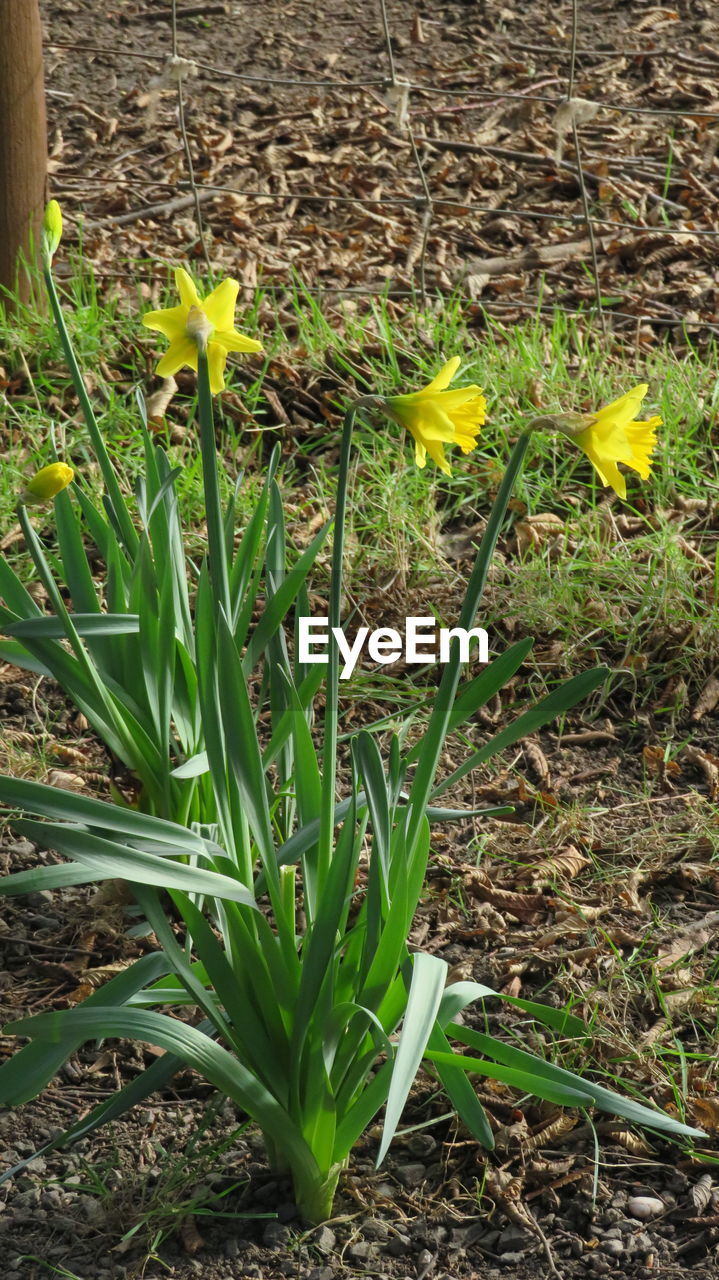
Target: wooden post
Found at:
x=23, y=143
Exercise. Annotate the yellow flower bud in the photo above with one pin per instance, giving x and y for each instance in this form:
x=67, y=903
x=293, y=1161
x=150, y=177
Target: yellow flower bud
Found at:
x=52, y=228
x=46, y=483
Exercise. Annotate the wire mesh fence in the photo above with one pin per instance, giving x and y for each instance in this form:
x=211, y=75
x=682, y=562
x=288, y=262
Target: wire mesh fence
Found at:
x=532, y=158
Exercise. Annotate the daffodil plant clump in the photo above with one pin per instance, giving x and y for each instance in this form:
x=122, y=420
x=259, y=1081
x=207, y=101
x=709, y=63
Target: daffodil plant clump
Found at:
x=280, y=909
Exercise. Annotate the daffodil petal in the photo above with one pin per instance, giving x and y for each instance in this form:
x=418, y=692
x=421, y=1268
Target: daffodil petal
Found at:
x=216, y=360
x=232, y=340
x=171, y=321
x=420, y=454
x=186, y=288
x=624, y=409
x=443, y=378
x=182, y=351
x=219, y=306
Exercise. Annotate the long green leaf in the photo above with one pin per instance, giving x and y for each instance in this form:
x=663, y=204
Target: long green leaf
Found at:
x=548, y=708
x=442, y=712
x=213, y=1062
x=132, y=864
x=560, y=1094
x=429, y=975
x=27, y=1073
x=86, y=624
x=553, y=1076
x=52, y=802
x=281, y=602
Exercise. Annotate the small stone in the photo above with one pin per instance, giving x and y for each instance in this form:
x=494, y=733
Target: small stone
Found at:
x=612, y=1215
x=644, y=1207
x=23, y=848
x=374, y=1229
x=398, y=1245
x=325, y=1240
x=410, y=1175
x=613, y=1247
x=421, y=1144
x=287, y=1212
x=385, y=1190
x=43, y=922
x=513, y=1238
x=231, y=1247
x=275, y=1235
x=642, y=1242
x=362, y=1251
x=599, y=1265
x=321, y=1273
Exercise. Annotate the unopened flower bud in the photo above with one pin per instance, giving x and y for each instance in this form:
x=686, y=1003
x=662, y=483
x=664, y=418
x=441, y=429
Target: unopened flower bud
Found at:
x=52, y=228
x=46, y=483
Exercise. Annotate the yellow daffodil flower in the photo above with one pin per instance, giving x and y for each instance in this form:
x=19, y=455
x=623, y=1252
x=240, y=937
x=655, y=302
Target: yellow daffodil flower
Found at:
x=46, y=483
x=612, y=435
x=196, y=325
x=435, y=416
x=52, y=228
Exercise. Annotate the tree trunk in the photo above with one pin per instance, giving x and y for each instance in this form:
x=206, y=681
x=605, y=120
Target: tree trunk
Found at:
x=23, y=145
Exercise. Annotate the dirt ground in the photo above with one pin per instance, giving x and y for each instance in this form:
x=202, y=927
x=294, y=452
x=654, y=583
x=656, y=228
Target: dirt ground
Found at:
x=603, y=887
x=498, y=206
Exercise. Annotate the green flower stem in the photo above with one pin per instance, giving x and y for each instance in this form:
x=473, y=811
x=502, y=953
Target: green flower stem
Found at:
x=123, y=521
x=329, y=746
x=438, y=726
x=213, y=508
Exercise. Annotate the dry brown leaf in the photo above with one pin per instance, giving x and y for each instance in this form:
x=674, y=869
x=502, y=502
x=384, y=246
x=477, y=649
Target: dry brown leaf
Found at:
x=692, y=938
x=551, y=1132
x=530, y=908
x=158, y=402
x=66, y=781
x=632, y=1142
x=701, y=1193
x=708, y=764
x=537, y=760
x=192, y=1241
x=566, y=864
x=707, y=700
x=706, y=1115
x=534, y=531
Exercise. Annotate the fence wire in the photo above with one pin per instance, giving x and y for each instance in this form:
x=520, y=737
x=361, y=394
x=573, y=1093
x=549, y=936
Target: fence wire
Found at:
x=644, y=203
